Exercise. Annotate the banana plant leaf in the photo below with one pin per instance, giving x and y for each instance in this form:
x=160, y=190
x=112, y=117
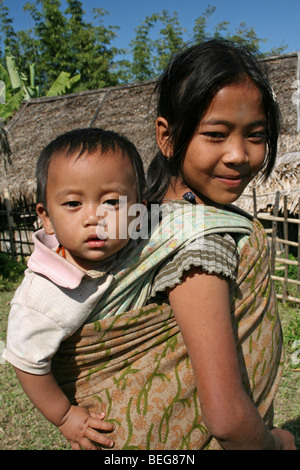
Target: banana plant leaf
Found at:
x=13, y=104
x=4, y=76
x=62, y=84
x=15, y=77
x=2, y=92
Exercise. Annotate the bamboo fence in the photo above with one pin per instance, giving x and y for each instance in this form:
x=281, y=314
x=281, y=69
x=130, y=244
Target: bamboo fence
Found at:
x=18, y=221
x=279, y=246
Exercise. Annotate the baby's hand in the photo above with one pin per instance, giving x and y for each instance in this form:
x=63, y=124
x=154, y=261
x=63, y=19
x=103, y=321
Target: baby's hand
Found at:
x=79, y=428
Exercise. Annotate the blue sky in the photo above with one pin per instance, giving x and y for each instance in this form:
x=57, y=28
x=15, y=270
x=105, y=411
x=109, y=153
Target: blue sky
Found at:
x=276, y=21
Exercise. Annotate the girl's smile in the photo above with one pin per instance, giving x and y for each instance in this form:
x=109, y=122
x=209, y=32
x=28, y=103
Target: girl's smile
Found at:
x=230, y=181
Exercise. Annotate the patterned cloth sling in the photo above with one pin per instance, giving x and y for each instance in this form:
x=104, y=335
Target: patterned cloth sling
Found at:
x=133, y=364
x=133, y=278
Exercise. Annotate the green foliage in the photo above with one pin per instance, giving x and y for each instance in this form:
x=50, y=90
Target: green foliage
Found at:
x=10, y=38
x=10, y=271
x=19, y=86
x=63, y=84
x=291, y=334
x=201, y=24
x=64, y=41
x=292, y=330
x=170, y=39
x=151, y=54
x=13, y=104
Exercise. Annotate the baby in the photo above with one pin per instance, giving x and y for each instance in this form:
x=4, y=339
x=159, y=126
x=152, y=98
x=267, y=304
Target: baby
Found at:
x=82, y=176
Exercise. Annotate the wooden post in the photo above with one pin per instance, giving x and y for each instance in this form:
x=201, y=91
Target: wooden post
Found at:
x=254, y=203
x=274, y=233
x=286, y=249
x=10, y=223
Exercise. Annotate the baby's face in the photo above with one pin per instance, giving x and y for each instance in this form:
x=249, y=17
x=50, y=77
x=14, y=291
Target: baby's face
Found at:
x=84, y=192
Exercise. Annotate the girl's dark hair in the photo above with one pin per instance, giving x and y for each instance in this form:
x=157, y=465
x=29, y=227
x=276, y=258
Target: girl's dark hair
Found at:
x=82, y=140
x=185, y=90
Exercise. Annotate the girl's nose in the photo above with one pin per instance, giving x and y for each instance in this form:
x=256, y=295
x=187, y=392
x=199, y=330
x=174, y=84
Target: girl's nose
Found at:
x=236, y=153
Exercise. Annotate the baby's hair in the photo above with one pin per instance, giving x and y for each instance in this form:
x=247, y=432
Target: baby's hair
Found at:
x=185, y=91
x=87, y=140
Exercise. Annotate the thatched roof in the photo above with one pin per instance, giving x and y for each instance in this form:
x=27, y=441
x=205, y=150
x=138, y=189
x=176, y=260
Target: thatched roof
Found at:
x=285, y=178
x=130, y=110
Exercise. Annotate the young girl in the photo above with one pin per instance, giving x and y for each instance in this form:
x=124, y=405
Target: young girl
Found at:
x=217, y=127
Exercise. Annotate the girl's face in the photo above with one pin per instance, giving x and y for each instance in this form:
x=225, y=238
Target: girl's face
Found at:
x=228, y=148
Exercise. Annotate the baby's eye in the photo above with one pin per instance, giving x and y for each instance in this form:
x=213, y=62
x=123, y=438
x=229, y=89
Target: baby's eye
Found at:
x=111, y=202
x=72, y=204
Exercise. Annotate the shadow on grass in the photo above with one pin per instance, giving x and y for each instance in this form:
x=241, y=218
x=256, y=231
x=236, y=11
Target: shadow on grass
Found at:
x=294, y=427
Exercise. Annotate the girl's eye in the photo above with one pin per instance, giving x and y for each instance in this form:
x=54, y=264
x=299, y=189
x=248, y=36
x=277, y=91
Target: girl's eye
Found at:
x=258, y=136
x=72, y=204
x=214, y=135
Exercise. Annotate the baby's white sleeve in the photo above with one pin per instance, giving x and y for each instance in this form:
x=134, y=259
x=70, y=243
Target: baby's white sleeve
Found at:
x=43, y=314
x=32, y=340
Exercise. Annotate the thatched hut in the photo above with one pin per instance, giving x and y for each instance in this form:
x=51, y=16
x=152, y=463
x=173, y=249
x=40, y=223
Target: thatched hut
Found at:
x=130, y=110
x=284, y=179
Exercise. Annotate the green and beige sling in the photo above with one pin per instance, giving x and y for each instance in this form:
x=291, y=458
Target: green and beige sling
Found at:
x=130, y=360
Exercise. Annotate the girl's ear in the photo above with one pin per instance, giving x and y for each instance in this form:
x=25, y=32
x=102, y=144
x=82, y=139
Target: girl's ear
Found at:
x=42, y=213
x=163, y=136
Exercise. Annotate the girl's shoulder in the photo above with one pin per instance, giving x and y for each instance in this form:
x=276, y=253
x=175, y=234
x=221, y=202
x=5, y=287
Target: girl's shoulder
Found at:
x=239, y=211
x=172, y=205
x=215, y=254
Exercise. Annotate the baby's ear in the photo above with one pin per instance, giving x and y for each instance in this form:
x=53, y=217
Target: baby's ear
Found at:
x=42, y=213
x=163, y=136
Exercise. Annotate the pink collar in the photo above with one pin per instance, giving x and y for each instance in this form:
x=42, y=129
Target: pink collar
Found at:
x=51, y=265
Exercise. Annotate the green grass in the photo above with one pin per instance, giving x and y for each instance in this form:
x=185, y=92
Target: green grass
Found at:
x=287, y=402
x=22, y=427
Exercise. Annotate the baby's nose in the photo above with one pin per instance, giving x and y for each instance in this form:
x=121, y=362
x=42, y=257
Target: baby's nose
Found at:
x=90, y=216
